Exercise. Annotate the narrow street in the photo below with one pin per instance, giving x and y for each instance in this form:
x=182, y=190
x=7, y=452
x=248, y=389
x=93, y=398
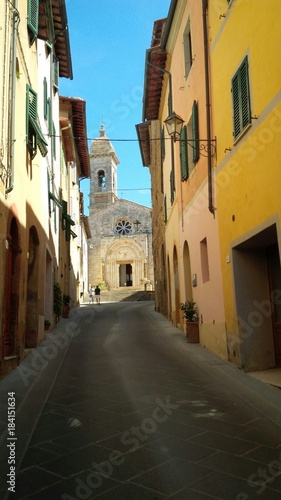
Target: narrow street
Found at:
x=115, y=405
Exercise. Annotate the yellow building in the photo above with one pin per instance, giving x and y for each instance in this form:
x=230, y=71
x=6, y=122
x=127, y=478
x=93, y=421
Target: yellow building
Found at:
x=246, y=74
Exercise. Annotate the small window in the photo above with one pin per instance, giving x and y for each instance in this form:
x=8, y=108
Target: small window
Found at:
x=172, y=187
x=195, y=132
x=45, y=94
x=101, y=180
x=187, y=48
x=55, y=73
x=165, y=209
x=183, y=154
x=241, y=99
x=204, y=260
x=34, y=135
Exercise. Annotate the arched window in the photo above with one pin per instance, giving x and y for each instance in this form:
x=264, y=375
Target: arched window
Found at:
x=101, y=180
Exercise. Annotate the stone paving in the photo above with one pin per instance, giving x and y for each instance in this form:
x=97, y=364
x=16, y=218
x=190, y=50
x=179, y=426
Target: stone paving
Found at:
x=116, y=405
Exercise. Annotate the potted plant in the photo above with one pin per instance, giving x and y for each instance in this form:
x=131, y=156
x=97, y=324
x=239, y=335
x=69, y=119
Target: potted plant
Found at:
x=65, y=309
x=57, y=300
x=47, y=324
x=192, y=321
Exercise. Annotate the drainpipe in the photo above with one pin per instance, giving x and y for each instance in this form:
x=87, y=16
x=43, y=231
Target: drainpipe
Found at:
x=208, y=105
x=13, y=99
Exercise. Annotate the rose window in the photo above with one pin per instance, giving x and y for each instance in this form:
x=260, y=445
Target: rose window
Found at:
x=123, y=227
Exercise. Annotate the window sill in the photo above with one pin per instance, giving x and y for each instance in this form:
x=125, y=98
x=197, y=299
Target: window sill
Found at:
x=244, y=131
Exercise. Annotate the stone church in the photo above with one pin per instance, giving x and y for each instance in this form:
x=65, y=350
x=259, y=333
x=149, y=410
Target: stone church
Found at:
x=120, y=249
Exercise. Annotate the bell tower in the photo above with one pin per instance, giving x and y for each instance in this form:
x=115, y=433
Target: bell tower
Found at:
x=103, y=160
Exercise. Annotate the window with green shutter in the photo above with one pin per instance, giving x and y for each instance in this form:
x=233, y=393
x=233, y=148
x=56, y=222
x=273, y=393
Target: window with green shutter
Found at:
x=163, y=152
x=67, y=222
x=195, y=132
x=32, y=19
x=183, y=154
x=172, y=187
x=55, y=73
x=241, y=99
x=165, y=209
x=34, y=136
x=54, y=151
x=45, y=94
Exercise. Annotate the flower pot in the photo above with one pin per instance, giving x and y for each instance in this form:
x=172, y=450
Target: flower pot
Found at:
x=192, y=332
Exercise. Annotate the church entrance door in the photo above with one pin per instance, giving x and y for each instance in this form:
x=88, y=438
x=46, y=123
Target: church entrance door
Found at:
x=125, y=275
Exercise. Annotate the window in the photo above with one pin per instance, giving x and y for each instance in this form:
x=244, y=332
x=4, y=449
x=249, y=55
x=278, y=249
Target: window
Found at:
x=195, y=132
x=204, y=260
x=45, y=94
x=172, y=187
x=123, y=227
x=55, y=73
x=32, y=19
x=101, y=180
x=67, y=222
x=183, y=154
x=187, y=48
x=34, y=136
x=241, y=99
x=165, y=210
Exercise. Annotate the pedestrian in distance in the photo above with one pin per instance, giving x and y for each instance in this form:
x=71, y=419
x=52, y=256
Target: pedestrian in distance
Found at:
x=91, y=293
x=97, y=293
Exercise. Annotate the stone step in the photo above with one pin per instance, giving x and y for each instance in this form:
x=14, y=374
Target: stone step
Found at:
x=126, y=295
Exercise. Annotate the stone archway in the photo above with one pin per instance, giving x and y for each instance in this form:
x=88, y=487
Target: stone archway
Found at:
x=121, y=257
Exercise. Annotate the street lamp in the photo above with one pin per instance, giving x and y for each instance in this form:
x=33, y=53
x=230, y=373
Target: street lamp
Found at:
x=174, y=125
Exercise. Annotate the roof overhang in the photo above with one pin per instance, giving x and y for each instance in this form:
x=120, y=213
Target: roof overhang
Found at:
x=144, y=142
x=56, y=33
x=75, y=122
x=153, y=77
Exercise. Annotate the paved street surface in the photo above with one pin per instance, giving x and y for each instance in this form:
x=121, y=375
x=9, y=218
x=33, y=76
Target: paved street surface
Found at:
x=116, y=405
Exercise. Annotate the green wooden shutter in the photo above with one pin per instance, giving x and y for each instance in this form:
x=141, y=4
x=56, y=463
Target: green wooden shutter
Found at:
x=32, y=18
x=195, y=132
x=45, y=94
x=241, y=99
x=54, y=152
x=245, y=94
x=163, y=152
x=183, y=154
x=55, y=72
x=172, y=187
x=31, y=117
x=165, y=209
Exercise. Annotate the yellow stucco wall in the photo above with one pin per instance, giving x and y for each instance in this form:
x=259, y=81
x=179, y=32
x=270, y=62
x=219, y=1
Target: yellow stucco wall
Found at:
x=248, y=171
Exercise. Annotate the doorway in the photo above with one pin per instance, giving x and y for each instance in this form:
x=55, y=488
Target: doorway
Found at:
x=125, y=275
x=274, y=272
x=256, y=272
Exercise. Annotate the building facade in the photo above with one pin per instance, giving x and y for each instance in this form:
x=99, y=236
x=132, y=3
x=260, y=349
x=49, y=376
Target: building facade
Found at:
x=120, y=248
x=34, y=173
x=176, y=66
x=247, y=122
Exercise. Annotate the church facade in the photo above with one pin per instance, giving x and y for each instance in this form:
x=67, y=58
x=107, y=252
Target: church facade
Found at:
x=120, y=248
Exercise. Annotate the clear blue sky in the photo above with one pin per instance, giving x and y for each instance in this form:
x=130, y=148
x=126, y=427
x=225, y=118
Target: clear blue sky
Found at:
x=108, y=40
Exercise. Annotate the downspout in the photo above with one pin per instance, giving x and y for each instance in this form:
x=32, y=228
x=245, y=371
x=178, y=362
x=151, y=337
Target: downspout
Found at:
x=208, y=106
x=12, y=139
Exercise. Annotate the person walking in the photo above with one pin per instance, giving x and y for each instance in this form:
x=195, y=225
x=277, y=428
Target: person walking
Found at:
x=97, y=293
x=91, y=293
